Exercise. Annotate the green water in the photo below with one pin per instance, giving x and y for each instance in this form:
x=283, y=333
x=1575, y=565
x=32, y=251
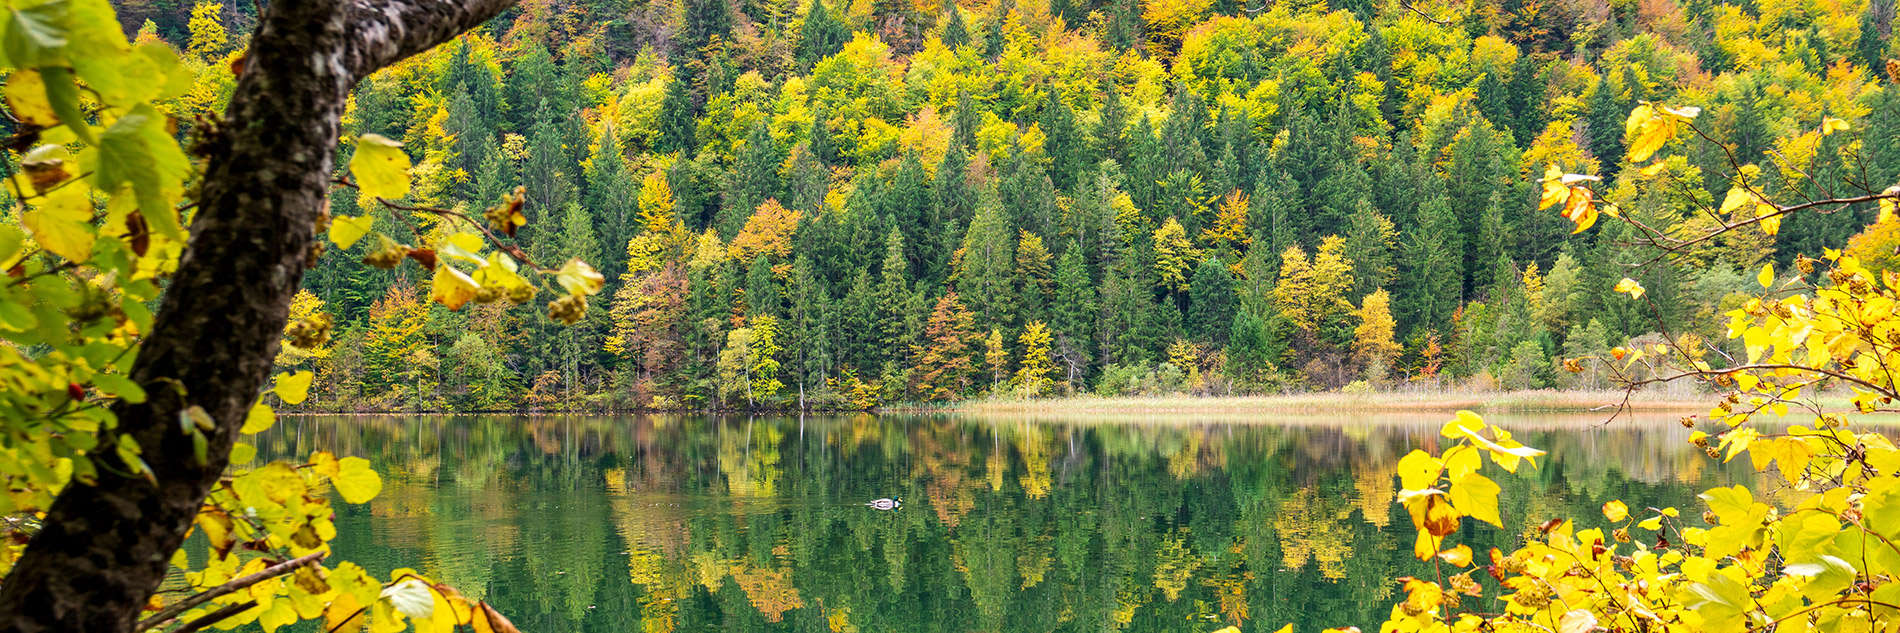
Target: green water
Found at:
x=706, y=524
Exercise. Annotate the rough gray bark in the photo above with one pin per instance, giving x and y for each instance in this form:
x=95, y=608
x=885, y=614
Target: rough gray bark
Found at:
x=104, y=548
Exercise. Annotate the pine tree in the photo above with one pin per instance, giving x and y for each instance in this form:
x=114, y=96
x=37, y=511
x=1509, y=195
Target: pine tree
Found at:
x=821, y=35
x=1033, y=277
x=1074, y=310
x=762, y=293
x=677, y=129
x=907, y=201
x=955, y=33
x=988, y=254
x=964, y=123
x=892, y=297
x=1029, y=195
x=1527, y=113
x=1606, y=111
x=1211, y=303
x=545, y=177
x=1435, y=267
x=1373, y=244
x=611, y=195
x=754, y=180
x=819, y=139
x=1067, y=149
x=705, y=19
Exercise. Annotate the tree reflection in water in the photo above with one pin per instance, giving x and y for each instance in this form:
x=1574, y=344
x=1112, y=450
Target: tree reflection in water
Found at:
x=686, y=523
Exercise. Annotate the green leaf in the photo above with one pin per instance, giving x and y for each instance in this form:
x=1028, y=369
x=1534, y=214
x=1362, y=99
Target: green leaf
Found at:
x=138, y=151
x=12, y=239
x=381, y=167
x=36, y=36
x=356, y=481
x=346, y=230
x=164, y=63
x=119, y=386
x=293, y=387
x=63, y=95
x=260, y=417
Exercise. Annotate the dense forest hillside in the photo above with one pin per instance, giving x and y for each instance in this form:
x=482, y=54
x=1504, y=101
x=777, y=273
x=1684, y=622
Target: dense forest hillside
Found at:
x=850, y=203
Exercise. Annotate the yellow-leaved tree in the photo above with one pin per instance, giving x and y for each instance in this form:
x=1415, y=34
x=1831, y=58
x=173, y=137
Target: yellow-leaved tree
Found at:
x=1822, y=559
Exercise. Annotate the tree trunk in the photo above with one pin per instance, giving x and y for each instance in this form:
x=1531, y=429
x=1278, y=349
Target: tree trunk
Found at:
x=104, y=548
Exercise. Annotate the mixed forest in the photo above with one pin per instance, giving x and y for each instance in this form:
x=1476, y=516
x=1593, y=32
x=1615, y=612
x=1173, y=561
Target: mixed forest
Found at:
x=842, y=203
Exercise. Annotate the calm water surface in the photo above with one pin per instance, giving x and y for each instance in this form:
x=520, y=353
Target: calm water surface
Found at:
x=571, y=523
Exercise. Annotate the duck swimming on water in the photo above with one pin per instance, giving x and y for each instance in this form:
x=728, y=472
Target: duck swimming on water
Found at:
x=886, y=504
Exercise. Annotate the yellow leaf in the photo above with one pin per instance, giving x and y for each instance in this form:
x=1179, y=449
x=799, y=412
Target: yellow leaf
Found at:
x=1630, y=287
x=324, y=463
x=1736, y=197
x=1615, y=511
x=578, y=278
x=261, y=417
x=381, y=167
x=1577, y=621
x=1418, y=470
x=1654, y=168
x=1651, y=523
x=1639, y=115
x=293, y=387
x=278, y=481
x=1460, y=555
x=1767, y=275
x=242, y=453
x=1830, y=125
x=452, y=288
x=61, y=221
x=356, y=481
x=1463, y=423
x=25, y=92
x=1770, y=217
x=1554, y=189
x=346, y=230
x=1476, y=496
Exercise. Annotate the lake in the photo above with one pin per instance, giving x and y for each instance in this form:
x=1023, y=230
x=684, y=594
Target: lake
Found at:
x=696, y=523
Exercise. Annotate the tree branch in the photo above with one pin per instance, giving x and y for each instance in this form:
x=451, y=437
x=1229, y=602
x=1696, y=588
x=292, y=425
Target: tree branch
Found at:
x=215, y=617
x=381, y=32
x=166, y=615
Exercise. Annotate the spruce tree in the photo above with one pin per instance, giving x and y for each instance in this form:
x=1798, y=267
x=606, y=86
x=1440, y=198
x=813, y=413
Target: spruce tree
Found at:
x=821, y=36
x=611, y=194
x=1211, y=303
x=1434, y=271
x=955, y=33
x=754, y=180
x=677, y=129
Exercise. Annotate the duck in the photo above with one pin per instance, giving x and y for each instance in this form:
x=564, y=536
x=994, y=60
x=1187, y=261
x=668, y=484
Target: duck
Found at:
x=886, y=504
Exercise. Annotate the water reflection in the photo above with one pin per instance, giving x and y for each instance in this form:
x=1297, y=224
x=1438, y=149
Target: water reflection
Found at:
x=694, y=523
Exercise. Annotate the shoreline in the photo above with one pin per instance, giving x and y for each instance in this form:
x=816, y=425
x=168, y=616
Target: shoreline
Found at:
x=1532, y=401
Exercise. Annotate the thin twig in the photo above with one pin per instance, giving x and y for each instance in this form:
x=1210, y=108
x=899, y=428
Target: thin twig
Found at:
x=215, y=617
x=166, y=615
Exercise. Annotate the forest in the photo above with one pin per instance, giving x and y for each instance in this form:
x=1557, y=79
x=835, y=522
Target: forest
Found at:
x=840, y=205
x=215, y=212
